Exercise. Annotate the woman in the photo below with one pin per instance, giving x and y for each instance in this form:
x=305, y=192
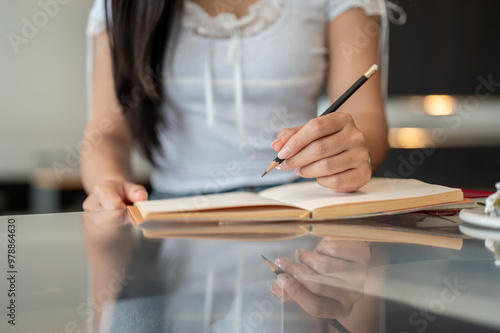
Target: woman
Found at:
x=204, y=86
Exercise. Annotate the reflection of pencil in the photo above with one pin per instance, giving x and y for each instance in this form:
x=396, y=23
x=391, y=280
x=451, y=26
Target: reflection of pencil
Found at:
x=338, y=326
x=274, y=268
x=334, y=322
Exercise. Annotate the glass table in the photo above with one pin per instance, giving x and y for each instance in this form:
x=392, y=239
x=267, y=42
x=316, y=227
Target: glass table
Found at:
x=97, y=272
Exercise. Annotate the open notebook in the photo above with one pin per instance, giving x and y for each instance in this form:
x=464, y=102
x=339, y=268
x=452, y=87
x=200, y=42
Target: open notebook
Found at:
x=299, y=202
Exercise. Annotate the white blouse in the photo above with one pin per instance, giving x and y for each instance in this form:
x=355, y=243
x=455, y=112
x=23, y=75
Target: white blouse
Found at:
x=233, y=83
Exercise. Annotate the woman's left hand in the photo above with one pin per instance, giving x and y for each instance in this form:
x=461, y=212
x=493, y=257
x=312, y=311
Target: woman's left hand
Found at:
x=329, y=148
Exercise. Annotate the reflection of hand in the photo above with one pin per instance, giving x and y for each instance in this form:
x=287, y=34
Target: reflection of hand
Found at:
x=326, y=282
x=108, y=237
x=106, y=226
x=112, y=194
x=109, y=244
x=329, y=148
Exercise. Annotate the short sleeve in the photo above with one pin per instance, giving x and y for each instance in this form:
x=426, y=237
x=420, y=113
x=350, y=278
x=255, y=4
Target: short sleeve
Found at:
x=371, y=7
x=96, y=22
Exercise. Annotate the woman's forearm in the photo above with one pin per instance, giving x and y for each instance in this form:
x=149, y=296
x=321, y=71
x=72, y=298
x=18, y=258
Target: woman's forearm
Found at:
x=106, y=160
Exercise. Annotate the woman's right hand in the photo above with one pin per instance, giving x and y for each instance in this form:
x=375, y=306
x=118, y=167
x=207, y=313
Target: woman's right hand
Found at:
x=326, y=282
x=113, y=195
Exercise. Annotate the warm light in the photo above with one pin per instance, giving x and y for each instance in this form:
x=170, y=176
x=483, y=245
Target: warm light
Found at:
x=409, y=138
x=439, y=105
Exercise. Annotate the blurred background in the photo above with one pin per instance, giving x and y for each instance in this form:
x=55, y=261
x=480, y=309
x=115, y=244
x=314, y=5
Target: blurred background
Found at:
x=443, y=106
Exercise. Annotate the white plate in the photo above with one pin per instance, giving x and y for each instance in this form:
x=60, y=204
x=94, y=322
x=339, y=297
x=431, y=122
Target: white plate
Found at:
x=478, y=232
x=478, y=217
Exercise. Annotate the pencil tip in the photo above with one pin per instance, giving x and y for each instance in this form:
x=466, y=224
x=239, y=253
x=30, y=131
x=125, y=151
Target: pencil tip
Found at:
x=273, y=165
x=276, y=269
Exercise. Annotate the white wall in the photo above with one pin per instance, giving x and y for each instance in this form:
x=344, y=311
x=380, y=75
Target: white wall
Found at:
x=42, y=83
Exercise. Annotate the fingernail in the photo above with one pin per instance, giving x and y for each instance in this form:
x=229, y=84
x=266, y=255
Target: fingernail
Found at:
x=284, y=280
x=278, y=292
x=278, y=139
x=296, y=254
x=282, y=166
x=276, y=288
x=297, y=171
x=280, y=263
x=284, y=153
x=142, y=192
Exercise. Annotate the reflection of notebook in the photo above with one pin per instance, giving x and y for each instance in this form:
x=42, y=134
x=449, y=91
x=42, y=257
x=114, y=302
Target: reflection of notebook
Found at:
x=352, y=229
x=299, y=201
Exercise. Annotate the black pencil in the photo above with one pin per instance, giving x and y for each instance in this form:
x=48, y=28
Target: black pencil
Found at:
x=334, y=107
x=334, y=322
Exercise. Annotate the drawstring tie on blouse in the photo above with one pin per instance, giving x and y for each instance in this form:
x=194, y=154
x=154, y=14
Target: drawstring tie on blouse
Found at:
x=234, y=58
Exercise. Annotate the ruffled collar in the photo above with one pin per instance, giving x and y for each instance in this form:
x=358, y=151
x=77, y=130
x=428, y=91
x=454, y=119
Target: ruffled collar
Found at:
x=261, y=15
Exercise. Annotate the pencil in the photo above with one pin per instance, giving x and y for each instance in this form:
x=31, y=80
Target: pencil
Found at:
x=275, y=268
x=334, y=107
x=334, y=322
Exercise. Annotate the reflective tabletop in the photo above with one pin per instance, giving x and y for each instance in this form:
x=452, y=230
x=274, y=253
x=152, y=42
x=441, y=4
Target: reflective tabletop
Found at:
x=97, y=272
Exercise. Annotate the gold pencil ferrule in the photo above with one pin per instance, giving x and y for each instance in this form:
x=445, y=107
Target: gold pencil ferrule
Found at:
x=371, y=71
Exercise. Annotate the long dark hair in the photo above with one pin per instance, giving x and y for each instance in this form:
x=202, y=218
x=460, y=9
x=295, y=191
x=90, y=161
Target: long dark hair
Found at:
x=139, y=33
